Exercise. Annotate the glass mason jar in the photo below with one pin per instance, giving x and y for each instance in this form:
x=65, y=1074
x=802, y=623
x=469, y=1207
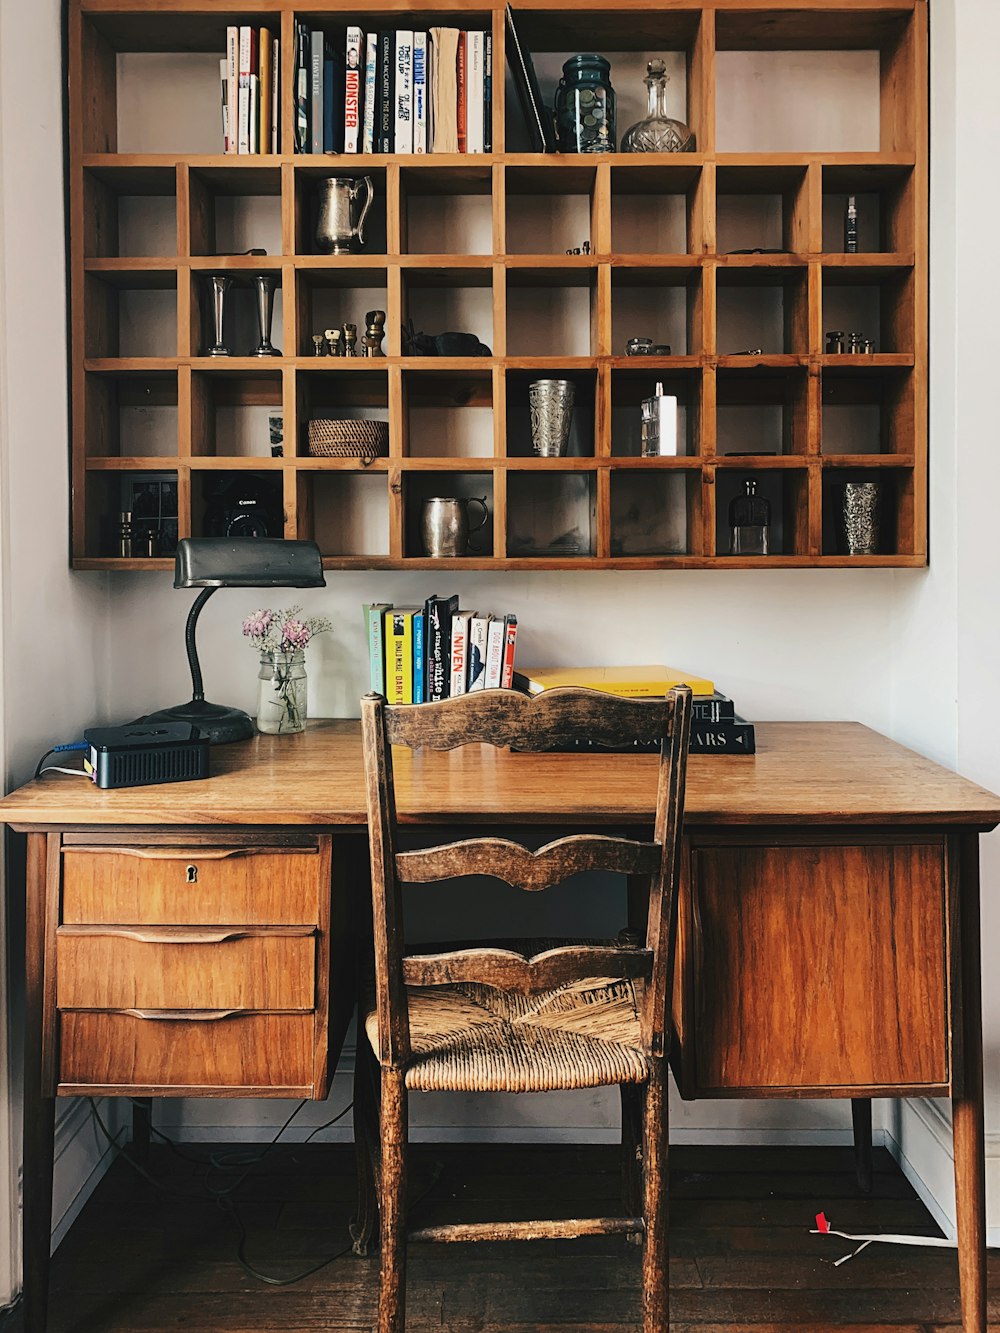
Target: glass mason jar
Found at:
x=585, y=106
x=281, y=692
x=658, y=132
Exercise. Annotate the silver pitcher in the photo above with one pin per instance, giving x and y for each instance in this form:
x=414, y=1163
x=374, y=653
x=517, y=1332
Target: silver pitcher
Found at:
x=334, y=229
x=444, y=525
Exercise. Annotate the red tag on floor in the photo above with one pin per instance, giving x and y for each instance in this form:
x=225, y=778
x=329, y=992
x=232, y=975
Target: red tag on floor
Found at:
x=821, y=1223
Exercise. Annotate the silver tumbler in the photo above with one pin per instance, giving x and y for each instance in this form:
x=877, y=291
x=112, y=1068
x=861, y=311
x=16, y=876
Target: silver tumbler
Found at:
x=551, y=406
x=858, y=516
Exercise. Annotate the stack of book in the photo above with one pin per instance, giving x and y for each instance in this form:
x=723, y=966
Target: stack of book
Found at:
x=422, y=654
x=716, y=728
x=395, y=91
x=249, y=76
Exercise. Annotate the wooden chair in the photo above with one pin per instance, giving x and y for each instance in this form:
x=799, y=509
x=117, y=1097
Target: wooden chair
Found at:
x=524, y=1019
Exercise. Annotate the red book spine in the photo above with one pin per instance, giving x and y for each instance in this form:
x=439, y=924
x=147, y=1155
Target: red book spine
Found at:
x=462, y=122
x=509, y=644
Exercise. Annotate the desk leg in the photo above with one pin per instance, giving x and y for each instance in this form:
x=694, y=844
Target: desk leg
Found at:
x=39, y=1105
x=967, y=1100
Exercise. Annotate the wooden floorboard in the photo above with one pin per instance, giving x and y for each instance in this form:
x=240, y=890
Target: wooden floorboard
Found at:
x=143, y=1261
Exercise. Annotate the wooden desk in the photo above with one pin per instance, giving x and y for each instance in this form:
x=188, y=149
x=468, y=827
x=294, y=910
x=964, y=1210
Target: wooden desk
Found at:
x=828, y=941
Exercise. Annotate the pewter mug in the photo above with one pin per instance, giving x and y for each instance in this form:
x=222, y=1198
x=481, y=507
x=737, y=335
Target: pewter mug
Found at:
x=444, y=525
x=334, y=228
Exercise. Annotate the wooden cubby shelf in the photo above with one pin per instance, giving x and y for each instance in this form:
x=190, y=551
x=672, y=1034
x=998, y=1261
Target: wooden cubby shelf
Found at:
x=734, y=247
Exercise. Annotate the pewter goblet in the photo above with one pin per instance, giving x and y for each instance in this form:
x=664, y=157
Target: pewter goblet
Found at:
x=265, y=284
x=221, y=282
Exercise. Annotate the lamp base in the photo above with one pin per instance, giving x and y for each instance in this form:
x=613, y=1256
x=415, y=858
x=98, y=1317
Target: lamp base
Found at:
x=219, y=723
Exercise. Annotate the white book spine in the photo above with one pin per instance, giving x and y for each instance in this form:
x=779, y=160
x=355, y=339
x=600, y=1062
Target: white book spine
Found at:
x=494, y=654
x=275, y=117
x=243, y=131
x=254, y=113
x=371, y=62
x=352, y=89
x=224, y=101
x=232, y=88
x=479, y=629
x=474, y=89
x=460, y=652
x=403, y=141
x=420, y=87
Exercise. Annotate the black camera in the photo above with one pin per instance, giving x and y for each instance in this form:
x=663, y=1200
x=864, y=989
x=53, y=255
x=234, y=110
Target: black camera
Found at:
x=244, y=506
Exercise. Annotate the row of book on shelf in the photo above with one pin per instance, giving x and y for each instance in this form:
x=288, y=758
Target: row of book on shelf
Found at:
x=423, y=654
x=249, y=77
x=393, y=91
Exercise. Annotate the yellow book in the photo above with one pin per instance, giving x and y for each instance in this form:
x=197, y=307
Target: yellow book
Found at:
x=264, y=100
x=399, y=655
x=636, y=682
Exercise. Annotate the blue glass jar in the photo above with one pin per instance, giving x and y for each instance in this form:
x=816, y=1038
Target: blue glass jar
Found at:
x=585, y=106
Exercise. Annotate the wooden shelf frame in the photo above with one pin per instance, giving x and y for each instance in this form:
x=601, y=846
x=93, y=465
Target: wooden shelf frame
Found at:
x=797, y=380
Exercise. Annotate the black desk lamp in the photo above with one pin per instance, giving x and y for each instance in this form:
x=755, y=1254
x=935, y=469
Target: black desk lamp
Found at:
x=232, y=562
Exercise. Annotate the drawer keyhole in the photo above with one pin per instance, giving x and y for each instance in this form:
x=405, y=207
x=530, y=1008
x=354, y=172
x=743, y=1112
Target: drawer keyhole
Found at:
x=192, y=874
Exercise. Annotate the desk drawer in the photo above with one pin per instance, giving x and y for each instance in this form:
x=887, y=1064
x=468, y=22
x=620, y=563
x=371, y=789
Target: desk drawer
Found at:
x=240, y=1054
x=192, y=885
x=185, y=969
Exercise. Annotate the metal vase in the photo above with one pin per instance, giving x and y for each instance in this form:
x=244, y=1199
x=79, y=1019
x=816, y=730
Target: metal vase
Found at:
x=551, y=406
x=858, y=517
x=220, y=284
x=264, y=285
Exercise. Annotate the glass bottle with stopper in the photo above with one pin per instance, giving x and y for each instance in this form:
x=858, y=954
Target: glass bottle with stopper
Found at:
x=658, y=132
x=659, y=425
x=750, y=522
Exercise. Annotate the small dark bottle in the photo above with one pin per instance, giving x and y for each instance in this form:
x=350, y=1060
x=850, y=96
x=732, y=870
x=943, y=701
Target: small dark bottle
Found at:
x=851, y=225
x=750, y=522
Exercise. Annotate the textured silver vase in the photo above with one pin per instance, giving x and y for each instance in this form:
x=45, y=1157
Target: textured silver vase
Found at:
x=551, y=405
x=858, y=517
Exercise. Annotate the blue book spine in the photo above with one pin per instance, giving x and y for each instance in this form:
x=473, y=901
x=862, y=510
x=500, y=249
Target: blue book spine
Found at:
x=419, y=623
x=328, y=108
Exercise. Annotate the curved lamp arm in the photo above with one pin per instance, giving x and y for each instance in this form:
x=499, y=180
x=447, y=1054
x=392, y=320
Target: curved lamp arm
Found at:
x=197, y=687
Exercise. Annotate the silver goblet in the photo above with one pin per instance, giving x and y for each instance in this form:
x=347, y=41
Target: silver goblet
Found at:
x=220, y=283
x=265, y=283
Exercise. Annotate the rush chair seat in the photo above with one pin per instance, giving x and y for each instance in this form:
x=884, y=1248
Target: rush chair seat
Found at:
x=519, y=1016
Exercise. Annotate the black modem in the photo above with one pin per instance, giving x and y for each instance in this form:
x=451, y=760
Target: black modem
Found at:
x=145, y=753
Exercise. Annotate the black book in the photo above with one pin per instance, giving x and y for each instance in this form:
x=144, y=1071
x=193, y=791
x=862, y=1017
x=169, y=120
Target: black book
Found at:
x=437, y=637
x=735, y=737
x=488, y=92
x=302, y=81
x=536, y=116
x=712, y=708
x=385, y=93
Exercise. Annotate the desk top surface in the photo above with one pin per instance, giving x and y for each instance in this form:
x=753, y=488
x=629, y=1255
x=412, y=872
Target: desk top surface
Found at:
x=803, y=773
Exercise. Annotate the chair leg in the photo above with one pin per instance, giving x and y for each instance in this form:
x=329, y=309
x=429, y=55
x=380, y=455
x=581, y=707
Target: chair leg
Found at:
x=366, y=1123
x=392, y=1200
x=631, y=1096
x=655, y=1255
x=861, y=1116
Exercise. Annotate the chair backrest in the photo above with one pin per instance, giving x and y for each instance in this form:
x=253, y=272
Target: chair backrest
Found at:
x=509, y=718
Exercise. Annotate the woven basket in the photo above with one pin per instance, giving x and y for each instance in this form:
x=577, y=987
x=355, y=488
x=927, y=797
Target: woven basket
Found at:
x=348, y=439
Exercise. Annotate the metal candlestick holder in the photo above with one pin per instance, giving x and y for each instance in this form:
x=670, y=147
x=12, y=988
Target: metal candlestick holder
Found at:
x=220, y=284
x=264, y=285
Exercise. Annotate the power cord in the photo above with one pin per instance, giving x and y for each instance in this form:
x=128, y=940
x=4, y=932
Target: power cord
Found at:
x=56, y=768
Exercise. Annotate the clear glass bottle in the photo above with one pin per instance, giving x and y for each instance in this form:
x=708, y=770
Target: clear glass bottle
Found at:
x=281, y=692
x=658, y=132
x=585, y=106
x=750, y=522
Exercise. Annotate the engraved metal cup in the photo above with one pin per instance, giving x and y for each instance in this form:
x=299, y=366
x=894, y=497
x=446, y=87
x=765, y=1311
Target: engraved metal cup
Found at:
x=264, y=285
x=551, y=406
x=444, y=525
x=858, y=516
x=335, y=228
x=220, y=284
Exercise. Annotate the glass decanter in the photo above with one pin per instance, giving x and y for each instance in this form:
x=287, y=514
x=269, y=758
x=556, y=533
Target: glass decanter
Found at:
x=658, y=133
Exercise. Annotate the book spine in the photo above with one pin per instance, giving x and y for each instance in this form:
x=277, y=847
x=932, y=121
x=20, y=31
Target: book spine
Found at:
x=494, y=655
x=371, y=68
x=460, y=77
x=419, y=652
x=387, y=84
x=232, y=88
x=474, y=92
x=316, y=50
x=275, y=105
x=254, y=113
x=509, y=646
x=243, y=108
x=352, y=89
x=488, y=92
x=403, y=109
x=459, y=682
x=302, y=90
x=479, y=629
x=224, y=94
x=399, y=657
x=420, y=92
x=376, y=645
x=431, y=76
x=264, y=91
x=329, y=110
x=736, y=737
x=712, y=710
x=437, y=679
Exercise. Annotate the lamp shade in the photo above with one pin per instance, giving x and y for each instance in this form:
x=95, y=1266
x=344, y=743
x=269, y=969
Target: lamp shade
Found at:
x=245, y=562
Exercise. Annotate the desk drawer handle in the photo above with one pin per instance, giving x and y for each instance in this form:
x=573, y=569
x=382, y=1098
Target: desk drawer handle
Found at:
x=181, y=1015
